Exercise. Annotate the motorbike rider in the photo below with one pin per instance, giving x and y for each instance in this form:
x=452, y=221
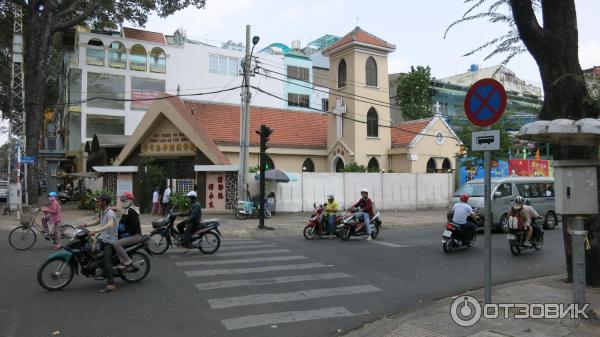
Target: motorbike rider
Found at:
x=533, y=214
x=366, y=206
x=192, y=220
x=107, y=220
x=54, y=218
x=519, y=210
x=462, y=211
x=331, y=207
x=130, y=220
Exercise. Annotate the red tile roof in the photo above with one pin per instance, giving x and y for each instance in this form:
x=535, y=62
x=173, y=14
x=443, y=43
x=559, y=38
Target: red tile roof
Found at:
x=291, y=129
x=143, y=35
x=403, y=133
x=362, y=36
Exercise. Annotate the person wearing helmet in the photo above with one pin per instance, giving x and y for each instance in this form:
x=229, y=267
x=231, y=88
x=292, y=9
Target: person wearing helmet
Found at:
x=331, y=207
x=132, y=231
x=462, y=211
x=519, y=211
x=108, y=229
x=366, y=206
x=54, y=217
x=191, y=221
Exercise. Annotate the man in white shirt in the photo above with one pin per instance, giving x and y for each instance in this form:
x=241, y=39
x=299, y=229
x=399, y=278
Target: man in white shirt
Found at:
x=156, y=201
x=166, y=200
x=462, y=211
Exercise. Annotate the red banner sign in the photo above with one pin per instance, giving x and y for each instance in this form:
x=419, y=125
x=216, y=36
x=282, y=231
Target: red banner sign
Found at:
x=528, y=168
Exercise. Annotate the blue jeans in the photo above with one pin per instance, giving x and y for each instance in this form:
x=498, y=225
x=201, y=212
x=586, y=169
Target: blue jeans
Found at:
x=330, y=223
x=367, y=221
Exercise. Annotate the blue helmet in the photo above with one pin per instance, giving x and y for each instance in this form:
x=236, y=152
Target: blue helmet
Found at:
x=52, y=194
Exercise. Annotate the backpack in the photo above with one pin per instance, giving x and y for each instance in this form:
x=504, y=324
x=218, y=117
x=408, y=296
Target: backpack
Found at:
x=515, y=220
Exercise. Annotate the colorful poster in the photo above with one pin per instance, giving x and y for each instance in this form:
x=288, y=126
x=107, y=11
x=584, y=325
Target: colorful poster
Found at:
x=499, y=169
x=518, y=167
x=538, y=168
x=529, y=168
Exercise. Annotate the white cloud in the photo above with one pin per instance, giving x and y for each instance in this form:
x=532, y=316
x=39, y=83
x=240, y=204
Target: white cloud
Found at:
x=589, y=54
x=397, y=64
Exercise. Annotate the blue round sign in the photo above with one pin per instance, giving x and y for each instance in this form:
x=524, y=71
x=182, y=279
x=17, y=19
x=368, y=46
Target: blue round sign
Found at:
x=485, y=102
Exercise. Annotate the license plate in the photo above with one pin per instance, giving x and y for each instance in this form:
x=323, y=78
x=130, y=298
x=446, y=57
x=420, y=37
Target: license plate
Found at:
x=510, y=237
x=447, y=233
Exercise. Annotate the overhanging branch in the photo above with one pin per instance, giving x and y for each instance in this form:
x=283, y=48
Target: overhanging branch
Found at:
x=530, y=31
x=77, y=19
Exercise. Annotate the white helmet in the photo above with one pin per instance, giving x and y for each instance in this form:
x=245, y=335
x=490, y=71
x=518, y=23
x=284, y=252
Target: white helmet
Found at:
x=364, y=190
x=330, y=196
x=192, y=194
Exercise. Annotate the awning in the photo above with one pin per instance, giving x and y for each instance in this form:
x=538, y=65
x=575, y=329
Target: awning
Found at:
x=216, y=168
x=115, y=169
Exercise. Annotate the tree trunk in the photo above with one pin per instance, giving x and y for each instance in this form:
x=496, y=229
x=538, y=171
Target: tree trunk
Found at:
x=555, y=50
x=37, y=41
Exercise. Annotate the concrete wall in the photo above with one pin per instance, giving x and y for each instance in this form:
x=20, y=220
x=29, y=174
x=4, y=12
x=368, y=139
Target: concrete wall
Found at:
x=389, y=191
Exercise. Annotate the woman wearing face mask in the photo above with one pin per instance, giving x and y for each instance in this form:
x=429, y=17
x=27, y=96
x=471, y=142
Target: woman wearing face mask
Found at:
x=131, y=221
x=55, y=217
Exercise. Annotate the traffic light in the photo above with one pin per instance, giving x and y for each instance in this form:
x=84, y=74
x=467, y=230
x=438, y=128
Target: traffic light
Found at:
x=264, y=132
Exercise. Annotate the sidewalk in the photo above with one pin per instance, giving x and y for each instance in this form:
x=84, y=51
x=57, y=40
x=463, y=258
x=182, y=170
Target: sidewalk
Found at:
x=434, y=320
x=283, y=224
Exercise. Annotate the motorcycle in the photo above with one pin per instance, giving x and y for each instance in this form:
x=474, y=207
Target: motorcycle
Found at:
x=249, y=209
x=315, y=227
x=353, y=225
x=454, y=236
x=69, y=195
x=80, y=257
x=517, y=236
x=206, y=236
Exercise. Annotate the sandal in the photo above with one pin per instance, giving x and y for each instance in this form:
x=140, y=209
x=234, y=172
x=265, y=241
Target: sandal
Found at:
x=108, y=289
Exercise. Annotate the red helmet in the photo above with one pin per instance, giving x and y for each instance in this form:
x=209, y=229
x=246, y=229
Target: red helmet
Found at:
x=464, y=198
x=127, y=195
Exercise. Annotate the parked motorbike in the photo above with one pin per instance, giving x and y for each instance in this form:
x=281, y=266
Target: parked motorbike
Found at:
x=454, y=236
x=353, y=225
x=69, y=195
x=206, y=236
x=249, y=209
x=81, y=257
x=517, y=236
x=315, y=227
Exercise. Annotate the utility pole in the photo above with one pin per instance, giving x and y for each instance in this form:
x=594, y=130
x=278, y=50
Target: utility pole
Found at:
x=245, y=119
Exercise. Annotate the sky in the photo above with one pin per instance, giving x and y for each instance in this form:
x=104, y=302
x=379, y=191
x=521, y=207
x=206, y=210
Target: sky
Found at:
x=415, y=27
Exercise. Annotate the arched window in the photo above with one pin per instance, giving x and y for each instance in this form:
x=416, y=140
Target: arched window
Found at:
x=371, y=72
x=117, y=55
x=138, y=58
x=431, y=167
x=372, y=123
x=308, y=165
x=269, y=165
x=373, y=165
x=94, y=53
x=338, y=164
x=342, y=74
x=446, y=166
x=158, y=61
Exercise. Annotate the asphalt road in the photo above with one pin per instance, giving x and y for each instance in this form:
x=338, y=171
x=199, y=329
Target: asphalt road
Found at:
x=283, y=286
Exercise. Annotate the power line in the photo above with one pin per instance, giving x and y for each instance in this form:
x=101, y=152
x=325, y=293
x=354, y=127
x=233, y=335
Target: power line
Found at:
x=356, y=120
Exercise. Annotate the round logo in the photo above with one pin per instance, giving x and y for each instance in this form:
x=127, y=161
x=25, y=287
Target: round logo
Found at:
x=439, y=138
x=465, y=311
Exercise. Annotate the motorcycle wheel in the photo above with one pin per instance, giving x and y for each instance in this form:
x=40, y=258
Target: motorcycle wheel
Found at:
x=375, y=232
x=240, y=216
x=51, y=277
x=514, y=248
x=310, y=232
x=345, y=234
x=140, y=268
x=539, y=243
x=157, y=244
x=448, y=246
x=209, y=242
x=22, y=238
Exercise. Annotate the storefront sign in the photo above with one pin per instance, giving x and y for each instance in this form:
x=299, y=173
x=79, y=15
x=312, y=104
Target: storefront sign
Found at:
x=215, y=191
x=168, y=143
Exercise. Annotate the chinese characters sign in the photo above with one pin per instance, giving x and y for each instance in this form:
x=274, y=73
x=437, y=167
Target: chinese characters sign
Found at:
x=167, y=143
x=215, y=191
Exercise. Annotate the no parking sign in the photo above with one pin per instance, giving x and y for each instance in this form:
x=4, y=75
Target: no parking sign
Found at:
x=485, y=102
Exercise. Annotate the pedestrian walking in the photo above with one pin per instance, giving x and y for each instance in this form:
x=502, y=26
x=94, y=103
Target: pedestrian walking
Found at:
x=156, y=201
x=166, y=200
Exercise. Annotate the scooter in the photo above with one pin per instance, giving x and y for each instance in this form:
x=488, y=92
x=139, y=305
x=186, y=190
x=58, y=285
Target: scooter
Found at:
x=249, y=209
x=315, y=227
x=454, y=236
x=517, y=236
x=353, y=225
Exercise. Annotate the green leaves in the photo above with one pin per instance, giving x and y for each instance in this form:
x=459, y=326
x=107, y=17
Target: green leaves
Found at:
x=414, y=95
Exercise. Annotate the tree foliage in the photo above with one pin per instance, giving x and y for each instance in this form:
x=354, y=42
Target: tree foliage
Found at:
x=414, y=94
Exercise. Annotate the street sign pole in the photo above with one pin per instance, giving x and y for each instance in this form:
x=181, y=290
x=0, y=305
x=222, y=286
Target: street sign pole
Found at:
x=487, y=158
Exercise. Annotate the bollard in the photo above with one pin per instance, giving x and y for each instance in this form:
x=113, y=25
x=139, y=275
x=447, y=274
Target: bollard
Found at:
x=578, y=235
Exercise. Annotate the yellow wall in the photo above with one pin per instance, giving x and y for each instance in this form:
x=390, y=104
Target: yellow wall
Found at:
x=284, y=162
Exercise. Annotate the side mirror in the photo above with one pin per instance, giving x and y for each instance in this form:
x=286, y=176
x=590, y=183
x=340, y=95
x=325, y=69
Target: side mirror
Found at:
x=314, y=205
x=497, y=195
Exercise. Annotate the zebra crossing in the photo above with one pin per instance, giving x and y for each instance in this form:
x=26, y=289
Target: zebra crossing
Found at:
x=264, y=281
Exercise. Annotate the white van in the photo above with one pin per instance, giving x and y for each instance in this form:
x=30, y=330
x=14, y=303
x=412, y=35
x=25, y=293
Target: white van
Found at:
x=539, y=190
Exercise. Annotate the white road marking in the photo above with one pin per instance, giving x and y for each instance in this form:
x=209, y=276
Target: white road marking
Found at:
x=236, y=271
x=240, y=242
x=238, y=261
x=270, y=280
x=237, y=253
x=286, y=317
x=228, y=302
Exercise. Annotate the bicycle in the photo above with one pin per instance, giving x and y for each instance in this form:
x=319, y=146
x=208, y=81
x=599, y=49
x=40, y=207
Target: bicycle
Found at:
x=24, y=237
